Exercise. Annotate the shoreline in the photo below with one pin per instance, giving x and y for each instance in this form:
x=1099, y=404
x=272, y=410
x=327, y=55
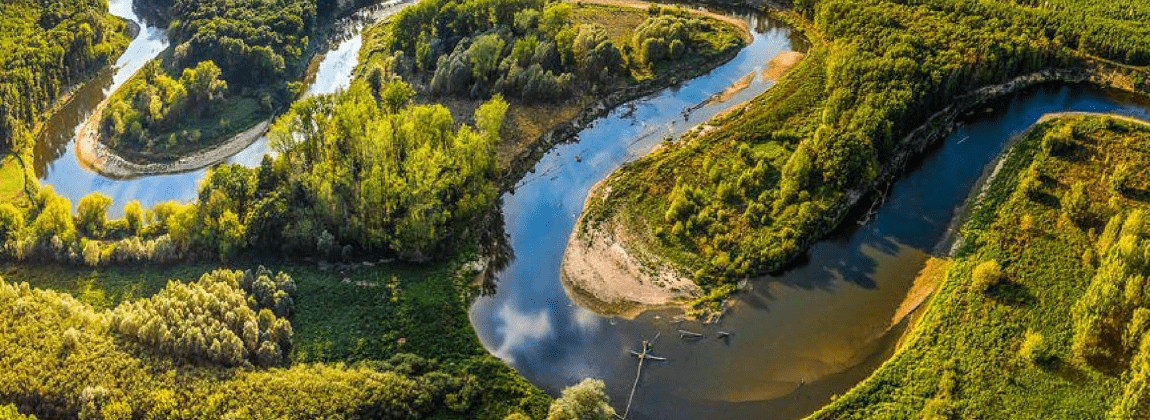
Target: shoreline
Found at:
x=933, y=130
x=598, y=274
x=599, y=269
x=98, y=157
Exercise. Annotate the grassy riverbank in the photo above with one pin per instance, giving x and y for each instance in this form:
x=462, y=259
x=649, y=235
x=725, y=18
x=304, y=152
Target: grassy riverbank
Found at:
x=764, y=182
x=1007, y=343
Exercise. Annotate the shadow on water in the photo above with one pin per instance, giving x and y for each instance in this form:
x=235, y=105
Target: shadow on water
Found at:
x=798, y=336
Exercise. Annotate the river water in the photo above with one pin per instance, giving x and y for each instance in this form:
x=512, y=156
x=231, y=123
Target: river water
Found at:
x=56, y=163
x=798, y=337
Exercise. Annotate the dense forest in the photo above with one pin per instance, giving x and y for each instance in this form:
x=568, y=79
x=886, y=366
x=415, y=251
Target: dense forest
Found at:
x=749, y=195
x=46, y=48
x=253, y=51
x=538, y=51
x=1049, y=284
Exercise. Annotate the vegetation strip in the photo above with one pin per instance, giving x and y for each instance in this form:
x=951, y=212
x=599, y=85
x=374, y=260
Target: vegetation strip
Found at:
x=1016, y=313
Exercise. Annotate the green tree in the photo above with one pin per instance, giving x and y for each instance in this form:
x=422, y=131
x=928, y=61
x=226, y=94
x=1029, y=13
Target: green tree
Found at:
x=91, y=214
x=583, y=401
x=11, y=222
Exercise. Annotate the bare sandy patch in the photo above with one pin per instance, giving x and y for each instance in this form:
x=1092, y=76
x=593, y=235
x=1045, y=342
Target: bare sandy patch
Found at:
x=602, y=275
x=781, y=64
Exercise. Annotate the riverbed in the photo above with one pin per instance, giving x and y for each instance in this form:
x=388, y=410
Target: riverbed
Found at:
x=797, y=337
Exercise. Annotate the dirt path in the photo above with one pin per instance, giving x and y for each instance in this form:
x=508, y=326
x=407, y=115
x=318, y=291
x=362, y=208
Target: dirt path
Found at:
x=741, y=24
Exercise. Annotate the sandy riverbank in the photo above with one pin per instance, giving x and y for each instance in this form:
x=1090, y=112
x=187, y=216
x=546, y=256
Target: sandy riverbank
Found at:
x=96, y=156
x=600, y=275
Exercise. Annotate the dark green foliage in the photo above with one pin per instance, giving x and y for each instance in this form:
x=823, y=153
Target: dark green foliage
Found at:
x=255, y=42
x=46, y=47
x=529, y=50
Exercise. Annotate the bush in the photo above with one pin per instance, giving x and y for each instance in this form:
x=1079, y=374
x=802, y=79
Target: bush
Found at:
x=11, y=222
x=91, y=214
x=986, y=275
x=55, y=218
x=1034, y=349
x=134, y=216
x=583, y=401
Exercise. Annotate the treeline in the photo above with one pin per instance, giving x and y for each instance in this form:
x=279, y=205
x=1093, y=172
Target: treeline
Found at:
x=534, y=50
x=46, y=47
x=1116, y=30
x=744, y=198
x=361, y=172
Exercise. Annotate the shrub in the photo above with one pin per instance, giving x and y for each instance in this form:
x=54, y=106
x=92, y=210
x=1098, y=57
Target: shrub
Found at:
x=91, y=214
x=1074, y=202
x=134, y=216
x=583, y=401
x=55, y=218
x=986, y=275
x=11, y=222
x=1034, y=349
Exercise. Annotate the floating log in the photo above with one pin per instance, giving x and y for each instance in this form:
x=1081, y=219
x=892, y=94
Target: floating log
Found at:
x=684, y=334
x=723, y=334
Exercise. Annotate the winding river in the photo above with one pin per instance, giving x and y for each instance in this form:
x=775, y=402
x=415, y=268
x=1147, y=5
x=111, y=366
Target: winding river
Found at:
x=797, y=337
x=56, y=163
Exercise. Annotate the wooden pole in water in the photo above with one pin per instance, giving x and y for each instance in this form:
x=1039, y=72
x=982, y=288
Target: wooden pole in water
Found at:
x=644, y=355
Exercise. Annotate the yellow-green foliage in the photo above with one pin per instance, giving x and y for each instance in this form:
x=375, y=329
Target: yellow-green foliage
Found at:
x=1009, y=352
x=9, y=412
x=213, y=320
x=776, y=175
x=64, y=359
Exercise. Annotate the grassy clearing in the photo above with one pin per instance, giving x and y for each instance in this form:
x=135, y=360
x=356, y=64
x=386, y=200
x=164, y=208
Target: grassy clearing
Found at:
x=13, y=177
x=360, y=317
x=972, y=353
